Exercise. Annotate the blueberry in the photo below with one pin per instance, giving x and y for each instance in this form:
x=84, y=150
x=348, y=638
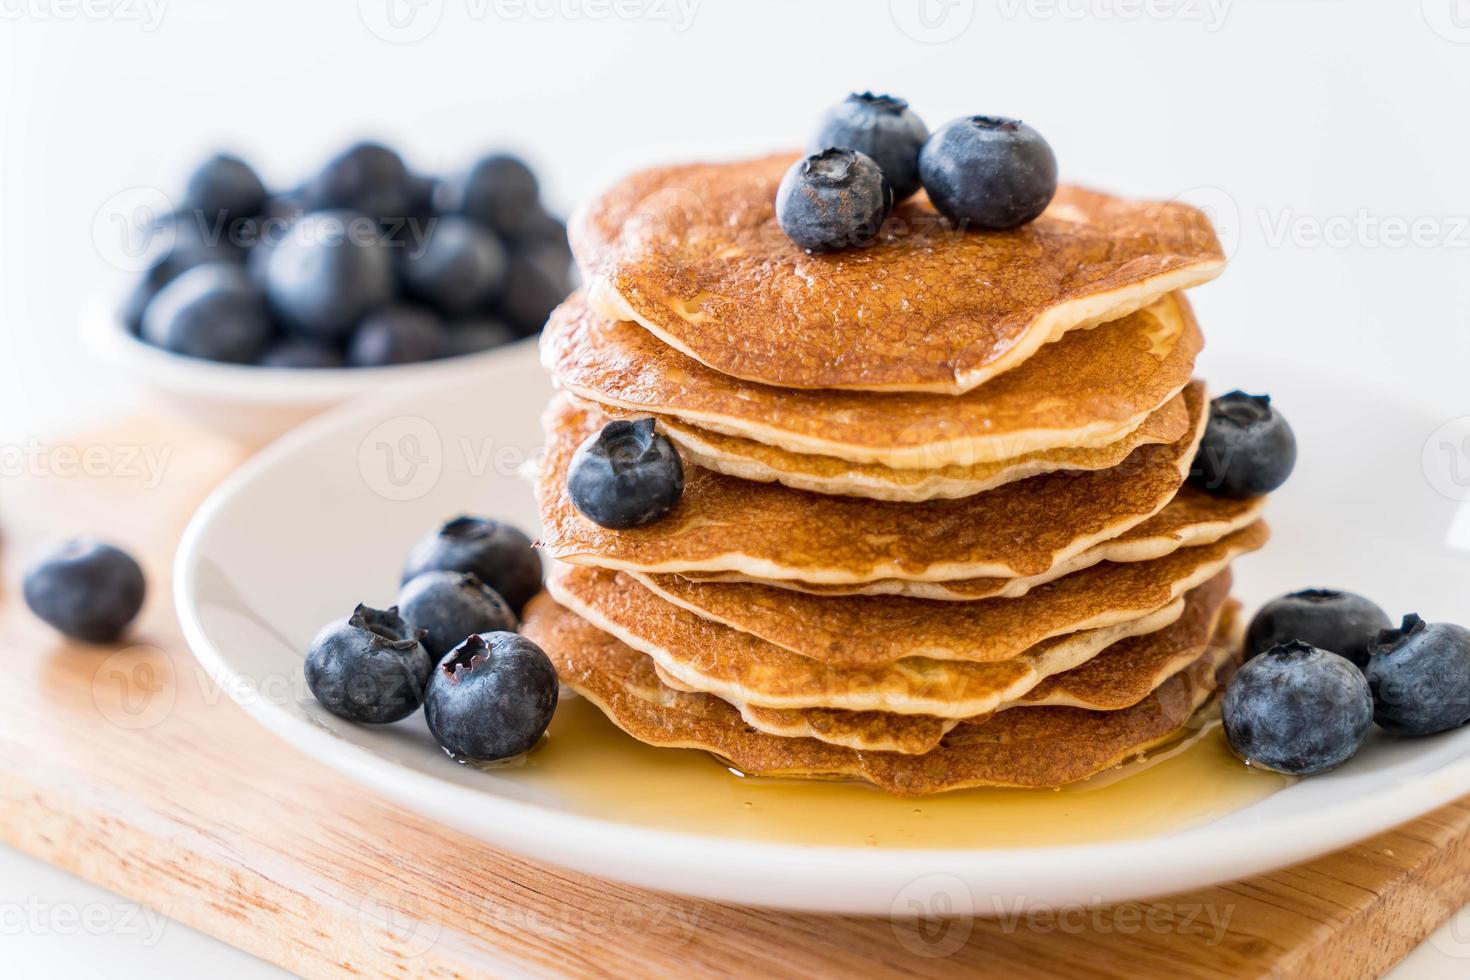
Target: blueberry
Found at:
x=537, y=279
x=370, y=667
x=224, y=187
x=136, y=303
x=988, y=172
x=1341, y=622
x=884, y=128
x=329, y=270
x=299, y=352
x=1420, y=677
x=457, y=268
x=625, y=476
x=1297, y=709
x=449, y=606
x=494, y=552
x=1248, y=449
x=500, y=192
x=420, y=191
x=368, y=177
x=540, y=228
x=214, y=311
x=473, y=336
x=491, y=697
x=163, y=271
x=832, y=200
x=85, y=589
x=398, y=334
x=195, y=238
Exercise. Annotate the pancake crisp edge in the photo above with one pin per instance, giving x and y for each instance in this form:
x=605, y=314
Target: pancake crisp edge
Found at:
x=769, y=531
x=1044, y=748
x=1088, y=391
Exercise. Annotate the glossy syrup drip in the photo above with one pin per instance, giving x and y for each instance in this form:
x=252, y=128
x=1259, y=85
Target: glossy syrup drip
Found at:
x=587, y=765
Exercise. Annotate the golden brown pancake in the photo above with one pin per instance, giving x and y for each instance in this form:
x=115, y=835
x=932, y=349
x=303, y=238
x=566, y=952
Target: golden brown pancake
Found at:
x=770, y=531
x=694, y=254
x=1127, y=672
x=1087, y=391
x=865, y=631
x=1118, y=677
x=1192, y=518
x=1042, y=747
x=744, y=669
x=750, y=460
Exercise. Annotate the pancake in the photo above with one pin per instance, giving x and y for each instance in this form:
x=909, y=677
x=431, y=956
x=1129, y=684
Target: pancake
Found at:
x=745, y=669
x=867, y=631
x=1085, y=392
x=695, y=256
x=1040, y=748
x=1192, y=518
x=1118, y=677
x=750, y=460
x=1127, y=672
x=769, y=531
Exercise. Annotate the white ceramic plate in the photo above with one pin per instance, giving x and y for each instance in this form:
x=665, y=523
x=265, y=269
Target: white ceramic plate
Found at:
x=323, y=518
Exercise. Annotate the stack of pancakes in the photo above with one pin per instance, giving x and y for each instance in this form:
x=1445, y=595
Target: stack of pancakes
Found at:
x=935, y=530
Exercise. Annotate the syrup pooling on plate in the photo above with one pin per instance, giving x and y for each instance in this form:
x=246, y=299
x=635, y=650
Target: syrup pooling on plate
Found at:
x=591, y=768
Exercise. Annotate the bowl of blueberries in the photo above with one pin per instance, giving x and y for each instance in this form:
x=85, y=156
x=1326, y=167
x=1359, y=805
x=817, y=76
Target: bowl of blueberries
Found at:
x=260, y=309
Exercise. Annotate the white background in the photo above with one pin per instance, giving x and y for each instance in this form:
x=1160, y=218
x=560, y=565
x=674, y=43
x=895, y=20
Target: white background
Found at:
x=1328, y=139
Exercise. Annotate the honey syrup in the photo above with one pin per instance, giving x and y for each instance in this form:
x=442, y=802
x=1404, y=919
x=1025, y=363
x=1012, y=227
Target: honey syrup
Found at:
x=588, y=766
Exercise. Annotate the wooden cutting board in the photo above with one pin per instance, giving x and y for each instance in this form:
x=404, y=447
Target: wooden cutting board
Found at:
x=129, y=767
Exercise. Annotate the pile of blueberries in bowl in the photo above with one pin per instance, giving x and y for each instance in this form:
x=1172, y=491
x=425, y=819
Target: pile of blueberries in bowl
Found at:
x=366, y=264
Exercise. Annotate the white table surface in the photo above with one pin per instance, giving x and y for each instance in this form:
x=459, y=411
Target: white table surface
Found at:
x=1327, y=138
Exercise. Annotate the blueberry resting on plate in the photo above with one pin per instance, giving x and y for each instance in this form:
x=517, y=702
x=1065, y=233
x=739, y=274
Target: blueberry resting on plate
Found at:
x=625, y=476
x=368, y=177
x=86, y=589
x=224, y=188
x=884, y=128
x=456, y=269
x=397, y=334
x=369, y=667
x=500, y=192
x=988, y=172
x=449, y=606
x=496, y=553
x=832, y=200
x=301, y=353
x=473, y=336
x=1420, y=677
x=1248, y=449
x=214, y=311
x=1342, y=622
x=327, y=272
x=1297, y=709
x=491, y=697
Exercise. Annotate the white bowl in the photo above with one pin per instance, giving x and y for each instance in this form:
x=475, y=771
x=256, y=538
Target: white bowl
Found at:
x=253, y=405
x=281, y=547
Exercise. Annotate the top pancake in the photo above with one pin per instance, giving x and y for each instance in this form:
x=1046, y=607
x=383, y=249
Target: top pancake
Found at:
x=1089, y=390
x=695, y=255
